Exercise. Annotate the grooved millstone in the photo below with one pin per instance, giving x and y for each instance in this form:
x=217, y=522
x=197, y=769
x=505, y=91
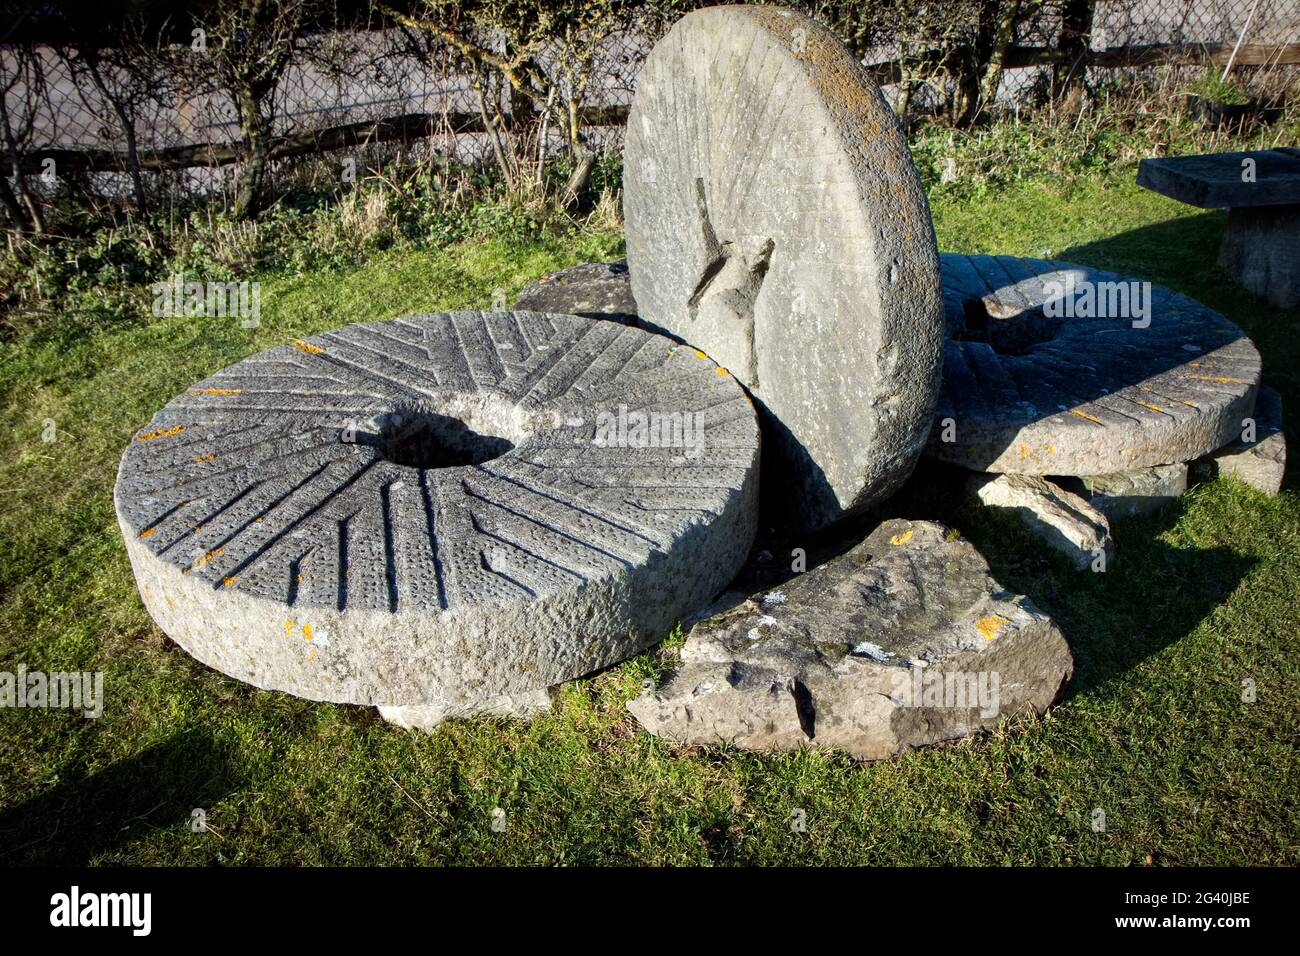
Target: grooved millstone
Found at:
x=273, y=539
x=1043, y=395
x=775, y=220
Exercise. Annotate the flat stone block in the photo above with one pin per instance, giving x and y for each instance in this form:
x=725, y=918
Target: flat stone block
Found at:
x=1130, y=494
x=904, y=641
x=598, y=290
x=1261, y=463
x=1220, y=180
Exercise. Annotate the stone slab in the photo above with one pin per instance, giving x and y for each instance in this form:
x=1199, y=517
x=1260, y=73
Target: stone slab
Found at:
x=441, y=509
x=1130, y=494
x=600, y=290
x=1215, y=180
x=775, y=220
x=1261, y=463
x=865, y=654
x=1063, y=520
x=1029, y=392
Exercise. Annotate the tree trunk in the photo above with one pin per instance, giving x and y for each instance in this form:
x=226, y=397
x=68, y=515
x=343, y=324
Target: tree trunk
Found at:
x=252, y=178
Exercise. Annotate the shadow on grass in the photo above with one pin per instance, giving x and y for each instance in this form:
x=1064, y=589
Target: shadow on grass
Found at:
x=89, y=814
x=1151, y=595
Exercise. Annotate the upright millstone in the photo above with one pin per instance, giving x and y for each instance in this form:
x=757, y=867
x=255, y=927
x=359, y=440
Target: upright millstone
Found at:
x=775, y=221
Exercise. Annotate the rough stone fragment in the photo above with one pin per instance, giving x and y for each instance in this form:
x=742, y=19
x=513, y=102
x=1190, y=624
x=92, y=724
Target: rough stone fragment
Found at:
x=598, y=290
x=1261, y=464
x=441, y=509
x=429, y=716
x=775, y=220
x=1130, y=494
x=1027, y=391
x=866, y=653
x=1062, y=519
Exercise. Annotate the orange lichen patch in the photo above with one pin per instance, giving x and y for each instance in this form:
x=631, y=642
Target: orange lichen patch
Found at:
x=990, y=624
x=298, y=578
x=1221, y=379
x=203, y=458
x=307, y=347
x=1079, y=414
x=227, y=582
x=700, y=354
x=903, y=538
x=216, y=391
x=160, y=433
x=306, y=632
x=1154, y=408
x=206, y=558
x=720, y=371
x=147, y=533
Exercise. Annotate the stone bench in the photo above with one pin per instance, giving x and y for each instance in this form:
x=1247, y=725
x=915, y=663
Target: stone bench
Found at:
x=1261, y=191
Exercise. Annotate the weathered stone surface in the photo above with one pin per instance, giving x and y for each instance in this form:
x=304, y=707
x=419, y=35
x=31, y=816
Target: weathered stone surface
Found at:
x=1130, y=494
x=1026, y=392
x=850, y=654
x=775, y=221
x=1261, y=250
x=1215, y=180
x=1060, y=518
x=429, y=716
x=1262, y=463
x=599, y=290
x=418, y=512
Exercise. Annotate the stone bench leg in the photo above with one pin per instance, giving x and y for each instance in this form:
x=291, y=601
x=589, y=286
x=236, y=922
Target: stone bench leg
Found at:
x=1261, y=250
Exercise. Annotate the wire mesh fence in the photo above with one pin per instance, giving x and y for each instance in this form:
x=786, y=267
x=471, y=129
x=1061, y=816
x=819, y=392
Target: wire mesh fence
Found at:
x=182, y=108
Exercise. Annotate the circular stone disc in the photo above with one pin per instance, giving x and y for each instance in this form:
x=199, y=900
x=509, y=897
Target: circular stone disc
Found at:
x=775, y=220
x=1029, y=391
x=440, y=508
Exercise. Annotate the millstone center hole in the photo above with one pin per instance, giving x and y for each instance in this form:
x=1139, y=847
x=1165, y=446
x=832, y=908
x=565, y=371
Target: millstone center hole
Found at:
x=421, y=438
x=1012, y=335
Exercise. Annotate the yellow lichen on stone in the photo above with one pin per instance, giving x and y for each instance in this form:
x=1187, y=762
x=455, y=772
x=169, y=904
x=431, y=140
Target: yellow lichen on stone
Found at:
x=903, y=538
x=306, y=632
x=307, y=347
x=1094, y=420
x=700, y=354
x=1154, y=408
x=227, y=582
x=202, y=458
x=288, y=627
x=160, y=433
x=216, y=391
x=1220, y=379
x=207, y=557
x=990, y=624
x=147, y=532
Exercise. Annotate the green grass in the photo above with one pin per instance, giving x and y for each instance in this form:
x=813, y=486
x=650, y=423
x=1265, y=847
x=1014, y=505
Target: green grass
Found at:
x=1153, y=729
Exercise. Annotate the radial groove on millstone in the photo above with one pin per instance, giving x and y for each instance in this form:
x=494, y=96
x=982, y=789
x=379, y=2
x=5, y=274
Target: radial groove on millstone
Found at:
x=775, y=221
x=1028, y=390
x=436, y=522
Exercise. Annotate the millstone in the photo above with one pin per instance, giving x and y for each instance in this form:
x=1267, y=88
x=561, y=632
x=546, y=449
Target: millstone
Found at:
x=600, y=290
x=1027, y=392
x=443, y=509
x=775, y=220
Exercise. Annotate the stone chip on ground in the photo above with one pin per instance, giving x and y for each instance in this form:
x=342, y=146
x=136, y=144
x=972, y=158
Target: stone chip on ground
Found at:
x=903, y=641
x=775, y=221
x=1262, y=463
x=1060, y=518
